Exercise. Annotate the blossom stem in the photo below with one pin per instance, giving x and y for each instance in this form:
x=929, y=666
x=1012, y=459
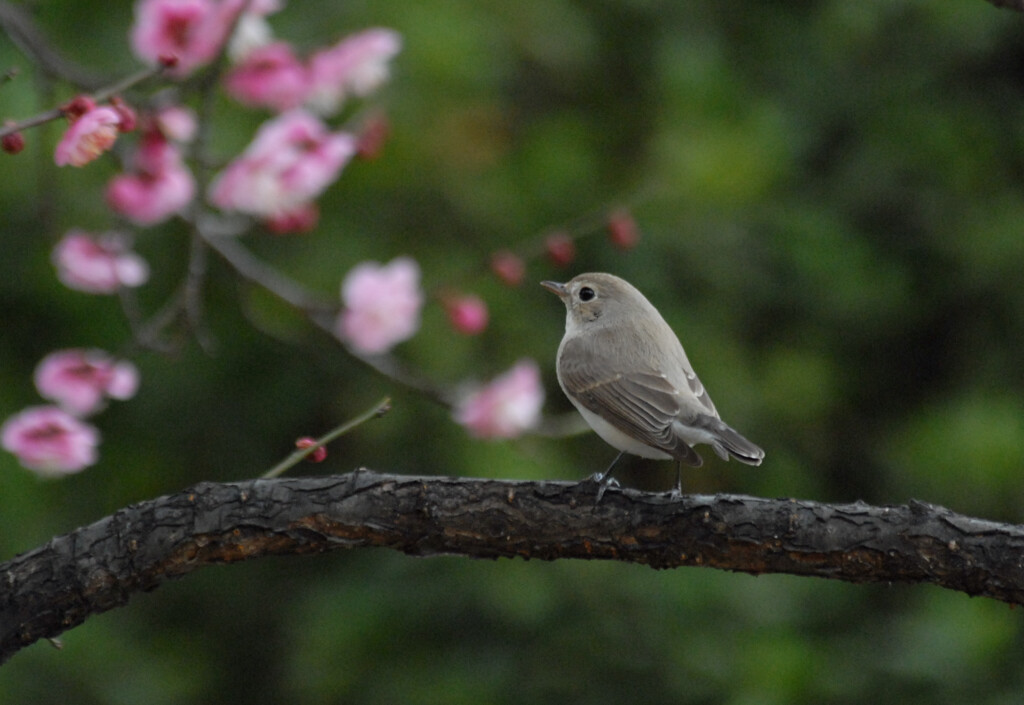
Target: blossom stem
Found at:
x=379, y=409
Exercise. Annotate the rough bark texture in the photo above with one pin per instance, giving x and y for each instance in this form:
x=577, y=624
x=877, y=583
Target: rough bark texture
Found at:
x=98, y=567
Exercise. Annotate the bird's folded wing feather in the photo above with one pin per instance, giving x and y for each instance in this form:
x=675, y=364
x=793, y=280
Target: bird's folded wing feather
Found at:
x=641, y=404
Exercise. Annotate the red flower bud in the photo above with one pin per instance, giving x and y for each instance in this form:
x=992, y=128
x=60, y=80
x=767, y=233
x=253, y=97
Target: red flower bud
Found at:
x=13, y=142
x=622, y=229
x=466, y=313
x=509, y=267
x=372, y=137
x=78, y=107
x=128, y=119
x=560, y=248
x=317, y=455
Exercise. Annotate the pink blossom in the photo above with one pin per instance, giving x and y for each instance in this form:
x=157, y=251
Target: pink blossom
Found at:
x=382, y=305
x=79, y=381
x=507, y=406
x=176, y=123
x=467, y=314
x=356, y=66
x=97, y=265
x=90, y=135
x=191, y=31
x=50, y=441
x=290, y=162
x=269, y=76
x=160, y=186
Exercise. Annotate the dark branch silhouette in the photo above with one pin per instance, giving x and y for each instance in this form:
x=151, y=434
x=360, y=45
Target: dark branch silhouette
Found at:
x=98, y=567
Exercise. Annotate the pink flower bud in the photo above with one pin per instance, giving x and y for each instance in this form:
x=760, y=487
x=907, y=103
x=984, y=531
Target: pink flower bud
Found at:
x=622, y=229
x=77, y=107
x=466, y=313
x=13, y=143
x=316, y=456
x=509, y=267
x=128, y=117
x=371, y=139
x=560, y=248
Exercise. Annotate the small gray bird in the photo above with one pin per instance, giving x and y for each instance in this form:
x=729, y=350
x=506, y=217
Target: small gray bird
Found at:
x=625, y=370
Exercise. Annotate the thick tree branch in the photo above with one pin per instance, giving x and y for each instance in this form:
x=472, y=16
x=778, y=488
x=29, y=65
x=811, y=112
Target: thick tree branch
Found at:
x=98, y=567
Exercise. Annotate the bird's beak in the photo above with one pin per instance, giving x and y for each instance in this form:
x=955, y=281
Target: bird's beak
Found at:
x=554, y=288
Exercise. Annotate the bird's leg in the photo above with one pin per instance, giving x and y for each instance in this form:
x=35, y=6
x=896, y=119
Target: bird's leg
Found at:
x=677, y=491
x=604, y=479
x=606, y=476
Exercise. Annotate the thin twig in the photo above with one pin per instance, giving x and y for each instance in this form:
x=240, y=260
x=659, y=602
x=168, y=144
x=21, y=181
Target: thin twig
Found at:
x=376, y=411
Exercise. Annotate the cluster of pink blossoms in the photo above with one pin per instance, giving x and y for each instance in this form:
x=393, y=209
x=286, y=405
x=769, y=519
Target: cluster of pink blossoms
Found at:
x=272, y=76
x=290, y=162
x=54, y=440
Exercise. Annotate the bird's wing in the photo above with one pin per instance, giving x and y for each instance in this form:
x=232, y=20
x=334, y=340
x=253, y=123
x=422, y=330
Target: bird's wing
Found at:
x=641, y=404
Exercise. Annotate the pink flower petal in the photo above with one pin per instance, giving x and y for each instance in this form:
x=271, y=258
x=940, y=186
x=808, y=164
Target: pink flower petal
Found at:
x=382, y=305
x=507, y=406
x=50, y=441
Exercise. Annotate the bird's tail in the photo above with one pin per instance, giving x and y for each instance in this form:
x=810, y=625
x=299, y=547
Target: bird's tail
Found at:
x=727, y=441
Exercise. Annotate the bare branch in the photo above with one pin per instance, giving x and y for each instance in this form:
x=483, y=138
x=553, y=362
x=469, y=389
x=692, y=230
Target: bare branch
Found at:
x=98, y=567
x=20, y=27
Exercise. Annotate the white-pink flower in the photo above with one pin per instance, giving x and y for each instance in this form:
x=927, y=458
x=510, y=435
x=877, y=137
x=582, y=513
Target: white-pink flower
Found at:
x=50, y=441
x=356, y=66
x=290, y=162
x=191, y=31
x=381, y=305
x=269, y=76
x=159, y=186
x=91, y=134
x=98, y=265
x=176, y=123
x=80, y=381
x=506, y=407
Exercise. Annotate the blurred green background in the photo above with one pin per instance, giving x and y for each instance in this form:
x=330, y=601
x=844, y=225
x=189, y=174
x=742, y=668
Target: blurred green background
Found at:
x=832, y=208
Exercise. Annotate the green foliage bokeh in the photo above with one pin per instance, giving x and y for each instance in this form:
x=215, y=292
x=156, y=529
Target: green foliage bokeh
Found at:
x=832, y=213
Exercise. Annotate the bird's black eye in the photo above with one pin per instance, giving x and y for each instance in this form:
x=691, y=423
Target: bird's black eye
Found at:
x=586, y=294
